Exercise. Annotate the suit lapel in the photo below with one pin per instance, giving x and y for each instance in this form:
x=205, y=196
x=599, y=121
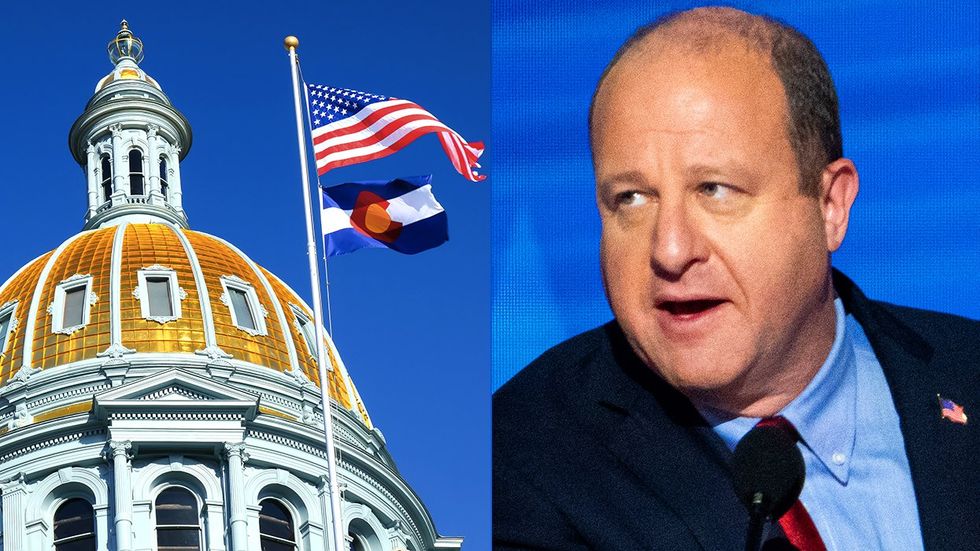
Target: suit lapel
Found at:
x=936, y=448
x=663, y=441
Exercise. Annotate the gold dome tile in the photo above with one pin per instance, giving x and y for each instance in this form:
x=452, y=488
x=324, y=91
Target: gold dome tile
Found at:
x=20, y=289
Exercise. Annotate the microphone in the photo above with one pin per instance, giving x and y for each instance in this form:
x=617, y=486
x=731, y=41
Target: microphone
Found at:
x=768, y=473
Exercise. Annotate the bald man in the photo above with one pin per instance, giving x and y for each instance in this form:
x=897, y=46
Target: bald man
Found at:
x=723, y=190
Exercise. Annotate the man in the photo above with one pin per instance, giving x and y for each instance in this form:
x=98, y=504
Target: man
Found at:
x=722, y=189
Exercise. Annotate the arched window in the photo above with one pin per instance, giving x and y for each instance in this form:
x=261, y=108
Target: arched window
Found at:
x=163, y=178
x=276, y=527
x=74, y=526
x=363, y=537
x=106, y=178
x=135, y=172
x=177, y=520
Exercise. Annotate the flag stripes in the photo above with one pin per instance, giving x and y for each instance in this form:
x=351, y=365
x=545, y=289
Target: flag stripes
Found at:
x=353, y=127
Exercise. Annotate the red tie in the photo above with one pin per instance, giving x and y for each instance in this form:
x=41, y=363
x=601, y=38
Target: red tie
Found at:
x=796, y=523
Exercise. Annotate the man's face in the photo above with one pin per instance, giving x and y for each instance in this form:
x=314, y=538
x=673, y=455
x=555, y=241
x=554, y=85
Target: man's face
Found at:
x=714, y=264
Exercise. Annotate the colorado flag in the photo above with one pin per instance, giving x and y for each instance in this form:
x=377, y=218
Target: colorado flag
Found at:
x=402, y=215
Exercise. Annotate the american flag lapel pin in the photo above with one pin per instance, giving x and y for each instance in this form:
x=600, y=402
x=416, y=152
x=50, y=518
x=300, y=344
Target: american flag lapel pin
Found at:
x=951, y=410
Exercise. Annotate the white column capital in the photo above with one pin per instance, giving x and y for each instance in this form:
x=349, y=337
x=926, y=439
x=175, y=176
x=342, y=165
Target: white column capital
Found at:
x=236, y=449
x=120, y=447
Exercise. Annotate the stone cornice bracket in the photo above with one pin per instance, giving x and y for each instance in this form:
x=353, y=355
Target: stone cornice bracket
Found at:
x=15, y=482
x=24, y=373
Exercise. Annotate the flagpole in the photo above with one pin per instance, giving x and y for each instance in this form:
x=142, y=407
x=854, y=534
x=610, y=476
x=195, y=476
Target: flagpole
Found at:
x=339, y=537
x=323, y=239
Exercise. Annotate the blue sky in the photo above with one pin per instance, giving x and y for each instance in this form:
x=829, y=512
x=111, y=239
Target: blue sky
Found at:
x=413, y=330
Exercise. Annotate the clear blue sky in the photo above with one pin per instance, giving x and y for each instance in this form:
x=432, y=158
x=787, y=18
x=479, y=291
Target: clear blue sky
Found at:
x=413, y=330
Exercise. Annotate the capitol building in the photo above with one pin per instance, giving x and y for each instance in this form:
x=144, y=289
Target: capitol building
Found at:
x=159, y=389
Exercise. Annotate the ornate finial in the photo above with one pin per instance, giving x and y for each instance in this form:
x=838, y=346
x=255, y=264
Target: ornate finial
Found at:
x=290, y=42
x=125, y=45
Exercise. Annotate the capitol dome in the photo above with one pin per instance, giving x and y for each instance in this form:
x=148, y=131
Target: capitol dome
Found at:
x=159, y=390
x=138, y=290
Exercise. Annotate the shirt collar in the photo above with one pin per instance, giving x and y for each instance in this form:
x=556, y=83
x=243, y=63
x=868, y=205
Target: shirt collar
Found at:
x=823, y=414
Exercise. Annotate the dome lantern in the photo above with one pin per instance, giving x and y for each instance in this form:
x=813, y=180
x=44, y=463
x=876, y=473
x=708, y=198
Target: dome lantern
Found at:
x=129, y=141
x=125, y=45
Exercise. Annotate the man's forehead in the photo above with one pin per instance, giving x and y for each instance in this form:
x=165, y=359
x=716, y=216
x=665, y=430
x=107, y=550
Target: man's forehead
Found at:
x=664, y=61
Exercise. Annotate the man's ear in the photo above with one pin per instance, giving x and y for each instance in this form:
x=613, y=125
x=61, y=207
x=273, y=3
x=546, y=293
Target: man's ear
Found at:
x=838, y=188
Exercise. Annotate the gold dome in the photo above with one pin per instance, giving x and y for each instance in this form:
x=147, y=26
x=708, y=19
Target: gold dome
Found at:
x=116, y=326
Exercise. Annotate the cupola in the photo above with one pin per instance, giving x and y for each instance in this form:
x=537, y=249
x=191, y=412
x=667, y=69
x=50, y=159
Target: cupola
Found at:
x=130, y=141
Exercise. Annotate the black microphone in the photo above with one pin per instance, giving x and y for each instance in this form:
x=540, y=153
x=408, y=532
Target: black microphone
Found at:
x=768, y=473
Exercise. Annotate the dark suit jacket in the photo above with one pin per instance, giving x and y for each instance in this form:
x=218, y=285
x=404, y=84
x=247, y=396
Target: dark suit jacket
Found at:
x=591, y=450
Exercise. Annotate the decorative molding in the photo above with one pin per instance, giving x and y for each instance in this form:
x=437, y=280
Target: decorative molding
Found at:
x=24, y=373
x=177, y=292
x=365, y=477
x=22, y=417
x=258, y=310
x=62, y=288
x=115, y=351
x=11, y=307
x=88, y=390
x=49, y=442
x=175, y=389
x=214, y=352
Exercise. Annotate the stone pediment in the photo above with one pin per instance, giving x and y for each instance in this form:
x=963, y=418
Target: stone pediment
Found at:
x=175, y=384
x=176, y=390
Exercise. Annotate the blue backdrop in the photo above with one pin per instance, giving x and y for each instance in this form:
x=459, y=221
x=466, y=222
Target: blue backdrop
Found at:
x=908, y=77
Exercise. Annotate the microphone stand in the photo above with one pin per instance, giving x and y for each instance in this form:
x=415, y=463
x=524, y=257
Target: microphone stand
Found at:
x=757, y=517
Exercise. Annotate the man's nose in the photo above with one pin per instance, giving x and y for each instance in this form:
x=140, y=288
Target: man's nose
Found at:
x=678, y=242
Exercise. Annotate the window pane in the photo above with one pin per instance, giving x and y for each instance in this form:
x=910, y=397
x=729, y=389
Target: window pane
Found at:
x=82, y=544
x=243, y=314
x=73, y=518
x=163, y=170
x=272, y=545
x=135, y=161
x=161, y=301
x=136, y=184
x=275, y=520
x=176, y=506
x=74, y=306
x=135, y=172
x=4, y=325
x=178, y=539
x=106, y=178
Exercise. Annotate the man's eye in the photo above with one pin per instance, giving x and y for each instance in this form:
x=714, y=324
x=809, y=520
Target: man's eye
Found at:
x=630, y=198
x=716, y=190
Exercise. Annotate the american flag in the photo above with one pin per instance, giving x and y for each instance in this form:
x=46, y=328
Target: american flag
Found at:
x=352, y=127
x=952, y=411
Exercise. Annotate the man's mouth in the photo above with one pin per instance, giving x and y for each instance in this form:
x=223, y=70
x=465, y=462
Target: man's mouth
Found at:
x=688, y=307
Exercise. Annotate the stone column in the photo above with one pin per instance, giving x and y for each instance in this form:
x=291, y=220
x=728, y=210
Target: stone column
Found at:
x=153, y=158
x=176, y=191
x=14, y=527
x=237, y=456
x=92, y=169
x=123, y=493
x=120, y=168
